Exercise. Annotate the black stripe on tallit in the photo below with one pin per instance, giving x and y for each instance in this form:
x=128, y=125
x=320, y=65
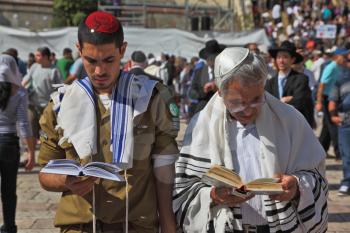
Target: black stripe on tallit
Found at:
x=185, y=190
x=187, y=168
x=324, y=207
x=277, y=220
x=180, y=162
x=189, y=200
x=184, y=175
x=195, y=158
x=276, y=211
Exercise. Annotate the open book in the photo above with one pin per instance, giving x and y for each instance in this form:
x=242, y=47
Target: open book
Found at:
x=220, y=176
x=71, y=167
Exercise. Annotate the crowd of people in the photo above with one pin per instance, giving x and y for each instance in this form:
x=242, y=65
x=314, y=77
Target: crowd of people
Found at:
x=245, y=107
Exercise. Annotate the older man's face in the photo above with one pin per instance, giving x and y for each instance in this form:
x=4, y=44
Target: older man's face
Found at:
x=244, y=101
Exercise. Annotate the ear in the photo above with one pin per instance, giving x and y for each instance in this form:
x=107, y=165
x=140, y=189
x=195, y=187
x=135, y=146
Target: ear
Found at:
x=123, y=49
x=219, y=92
x=293, y=60
x=77, y=45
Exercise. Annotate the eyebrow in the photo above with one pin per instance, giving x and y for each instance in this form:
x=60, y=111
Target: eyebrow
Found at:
x=93, y=60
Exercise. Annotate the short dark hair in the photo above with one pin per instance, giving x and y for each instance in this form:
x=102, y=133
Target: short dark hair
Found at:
x=100, y=38
x=67, y=51
x=45, y=51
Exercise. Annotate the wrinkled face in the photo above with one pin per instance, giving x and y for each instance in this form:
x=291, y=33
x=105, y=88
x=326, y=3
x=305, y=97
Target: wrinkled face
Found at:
x=284, y=61
x=102, y=64
x=244, y=102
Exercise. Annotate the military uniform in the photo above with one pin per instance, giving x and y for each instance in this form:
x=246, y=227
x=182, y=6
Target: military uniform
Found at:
x=154, y=134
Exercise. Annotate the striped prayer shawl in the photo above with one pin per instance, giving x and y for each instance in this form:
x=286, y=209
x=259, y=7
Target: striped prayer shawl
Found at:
x=191, y=197
x=130, y=98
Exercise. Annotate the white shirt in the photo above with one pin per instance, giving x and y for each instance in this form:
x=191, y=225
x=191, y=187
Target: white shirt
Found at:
x=210, y=73
x=246, y=161
x=316, y=67
x=276, y=11
x=106, y=100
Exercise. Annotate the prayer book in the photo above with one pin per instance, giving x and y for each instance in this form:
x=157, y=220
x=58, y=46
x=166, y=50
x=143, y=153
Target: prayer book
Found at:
x=220, y=176
x=73, y=168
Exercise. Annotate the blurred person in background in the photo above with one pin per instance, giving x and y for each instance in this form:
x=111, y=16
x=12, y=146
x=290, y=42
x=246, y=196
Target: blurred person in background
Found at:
x=288, y=85
x=53, y=59
x=203, y=86
x=63, y=64
x=76, y=71
x=339, y=110
x=30, y=61
x=152, y=68
x=334, y=70
x=13, y=115
x=39, y=81
x=20, y=63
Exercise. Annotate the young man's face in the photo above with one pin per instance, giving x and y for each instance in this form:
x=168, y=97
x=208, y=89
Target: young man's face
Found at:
x=39, y=58
x=284, y=61
x=102, y=64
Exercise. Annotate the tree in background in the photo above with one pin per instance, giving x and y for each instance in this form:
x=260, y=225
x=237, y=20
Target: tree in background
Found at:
x=70, y=13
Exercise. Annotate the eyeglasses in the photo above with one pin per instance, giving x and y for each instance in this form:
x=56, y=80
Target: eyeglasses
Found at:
x=238, y=106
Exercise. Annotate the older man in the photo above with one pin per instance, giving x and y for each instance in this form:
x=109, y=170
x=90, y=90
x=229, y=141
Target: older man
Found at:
x=248, y=130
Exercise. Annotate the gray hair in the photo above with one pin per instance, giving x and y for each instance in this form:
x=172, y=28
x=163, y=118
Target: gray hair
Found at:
x=252, y=70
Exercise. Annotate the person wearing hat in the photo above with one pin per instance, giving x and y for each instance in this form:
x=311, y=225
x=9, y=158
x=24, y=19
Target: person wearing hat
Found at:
x=203, y=87
x=334, y=70
x=288, y=85
x=246, y=129
x=138, y=64
x=116, y=117
x=339, y=110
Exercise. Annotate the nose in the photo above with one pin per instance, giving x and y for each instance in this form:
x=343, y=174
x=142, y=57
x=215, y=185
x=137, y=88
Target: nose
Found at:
x=248, y=110
x=98, y=70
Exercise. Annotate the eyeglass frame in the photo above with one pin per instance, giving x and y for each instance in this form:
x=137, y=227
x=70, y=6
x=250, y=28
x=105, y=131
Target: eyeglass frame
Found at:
x=260, y=102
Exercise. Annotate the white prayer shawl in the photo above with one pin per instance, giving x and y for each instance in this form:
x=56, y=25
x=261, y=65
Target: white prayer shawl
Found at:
x=288, y=146
x=130, y=98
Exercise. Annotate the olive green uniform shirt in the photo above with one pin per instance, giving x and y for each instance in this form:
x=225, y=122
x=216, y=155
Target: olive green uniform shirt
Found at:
x=154, y=134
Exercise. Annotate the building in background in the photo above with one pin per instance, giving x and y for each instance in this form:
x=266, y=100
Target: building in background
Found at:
x=33, y=14
x=191, y=15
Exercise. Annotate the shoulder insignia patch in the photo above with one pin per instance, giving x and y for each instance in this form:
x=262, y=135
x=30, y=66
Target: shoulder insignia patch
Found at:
x=174, y=110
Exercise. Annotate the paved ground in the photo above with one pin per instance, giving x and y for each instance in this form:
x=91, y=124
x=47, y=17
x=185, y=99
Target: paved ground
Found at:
x=36, y=207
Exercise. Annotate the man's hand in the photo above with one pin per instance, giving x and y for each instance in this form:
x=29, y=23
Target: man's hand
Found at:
x=210, y=86
x=30, y=162
x=290, y=189
x=224, y=196
x=80, y=185
x=337, y=120
x=286, y=99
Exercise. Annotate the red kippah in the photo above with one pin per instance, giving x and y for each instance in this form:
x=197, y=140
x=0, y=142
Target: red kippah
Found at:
x=100, y=21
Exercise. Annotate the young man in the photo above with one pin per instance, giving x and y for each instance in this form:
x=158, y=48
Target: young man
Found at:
x=111, y=116
x=290, y=86
x=245, y=129
x=63, y=64
x=334, y=70
x=339, y=112
x=39, y=80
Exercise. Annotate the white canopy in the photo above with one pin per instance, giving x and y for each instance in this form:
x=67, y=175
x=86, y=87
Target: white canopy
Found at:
x=171, y=41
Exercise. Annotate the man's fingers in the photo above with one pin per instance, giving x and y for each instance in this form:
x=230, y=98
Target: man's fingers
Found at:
x=79, y=185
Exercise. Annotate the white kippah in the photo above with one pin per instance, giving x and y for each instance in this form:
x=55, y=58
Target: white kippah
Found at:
x=228, y=61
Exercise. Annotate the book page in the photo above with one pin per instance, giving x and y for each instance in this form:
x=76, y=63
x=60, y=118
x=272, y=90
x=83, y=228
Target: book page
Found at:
x=220, y=172
x=101, y=172
x=73, y=168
